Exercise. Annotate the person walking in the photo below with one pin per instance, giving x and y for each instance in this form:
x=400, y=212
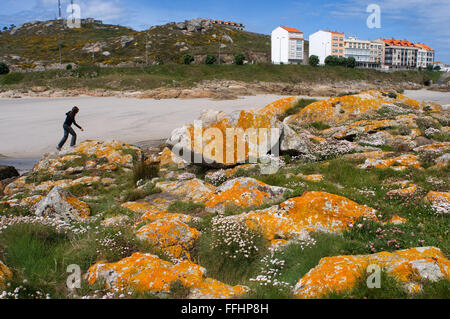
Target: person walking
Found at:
x=67, y=126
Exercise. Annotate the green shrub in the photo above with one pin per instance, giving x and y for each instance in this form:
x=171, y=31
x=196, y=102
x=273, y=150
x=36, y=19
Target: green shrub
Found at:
x=69, y=67
x=210, y=59
x=186, y=207
x=4, y=69
x=302, y=103
x=188, y=58
x=144, y=171
x=313, y=60
x=12, y=78
x=239, y=59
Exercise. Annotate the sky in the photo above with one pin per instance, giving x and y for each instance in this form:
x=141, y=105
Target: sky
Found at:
x=425, y=21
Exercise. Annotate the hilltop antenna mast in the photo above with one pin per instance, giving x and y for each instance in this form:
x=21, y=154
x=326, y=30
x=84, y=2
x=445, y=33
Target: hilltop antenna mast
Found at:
x=59, y=9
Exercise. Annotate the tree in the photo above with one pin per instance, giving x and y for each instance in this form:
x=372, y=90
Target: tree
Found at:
x=239, y=59
x=69, y=67
x=187, y=59
x=437, y=68
x=314, y=60
x=351, y=62
x=429, y=67
x=210, y=59
x=331, y=60
x=3, y=68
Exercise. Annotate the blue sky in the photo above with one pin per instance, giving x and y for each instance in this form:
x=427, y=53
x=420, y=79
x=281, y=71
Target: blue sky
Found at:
x=426, y=21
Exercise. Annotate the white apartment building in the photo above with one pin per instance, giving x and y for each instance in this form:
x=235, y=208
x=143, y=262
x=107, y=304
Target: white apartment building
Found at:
x=358, y=49
x=377, y=54
x=287, y=45
x=400, y=54
x=324, y=43
x=425, y=55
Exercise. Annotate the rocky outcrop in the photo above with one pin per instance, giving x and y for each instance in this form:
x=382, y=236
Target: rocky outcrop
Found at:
x=147, y=273
x=311, y=212
x=8, y=172
x=60, y=204
x=341, y=273
x=440, y=201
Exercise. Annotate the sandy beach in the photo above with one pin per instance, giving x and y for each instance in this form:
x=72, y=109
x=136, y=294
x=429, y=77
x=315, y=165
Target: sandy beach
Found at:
x=30, y=127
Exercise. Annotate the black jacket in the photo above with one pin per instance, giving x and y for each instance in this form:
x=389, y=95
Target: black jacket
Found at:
x=71, y=119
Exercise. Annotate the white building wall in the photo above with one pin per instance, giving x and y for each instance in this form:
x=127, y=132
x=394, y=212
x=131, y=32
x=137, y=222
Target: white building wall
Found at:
x=280, y=46
x=320, y=45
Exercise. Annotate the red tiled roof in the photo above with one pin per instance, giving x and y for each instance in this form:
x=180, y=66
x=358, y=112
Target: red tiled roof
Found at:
x=398, y=43
x=290, y=29
x=423, y=46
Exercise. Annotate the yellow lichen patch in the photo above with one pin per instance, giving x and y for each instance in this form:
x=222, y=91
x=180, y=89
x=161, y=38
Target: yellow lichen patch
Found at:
x=194, y=189
x=366, y=155
x=5, y=274
x=54, y=164
x=168, y=158
x=411, y=189
x=313, y=211
x=243, y=192
x=30, y=201
x=279, y=106
x=230, y=142
x=338, y=109
x=311, y=177
x=397, y=220
x=440, y=201
x=397, y=163
x=147, y=273
x=437, y=147
x=172, y=236
x=341, y=273
x=15, y=187
x=81, y=207
x=111, y=150
x=63, y=183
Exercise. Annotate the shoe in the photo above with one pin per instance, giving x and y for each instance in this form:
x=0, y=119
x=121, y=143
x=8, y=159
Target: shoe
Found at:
x=58, y=148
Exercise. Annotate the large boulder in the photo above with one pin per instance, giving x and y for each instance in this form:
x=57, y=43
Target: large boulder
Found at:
x=8, y=172
x=243, y=192
x=338, y=110
x=148, y=273
x=220, y=140
x=311, y=212
x=60, y=204
x=341, y=273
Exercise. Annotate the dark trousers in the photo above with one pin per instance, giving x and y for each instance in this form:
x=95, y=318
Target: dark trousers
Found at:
x=68, y=130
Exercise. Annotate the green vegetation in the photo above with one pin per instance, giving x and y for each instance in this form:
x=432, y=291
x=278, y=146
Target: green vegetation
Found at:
x=176, y=75
x=144, y=171
x=302, y=103
x=188, y=59
x=3, y=68
x=210, y=59
x=313, y=60
x=239, y=59
x=340, y=61
x=189, y=207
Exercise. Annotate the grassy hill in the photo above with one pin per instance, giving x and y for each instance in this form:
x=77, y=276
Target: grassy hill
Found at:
x=35, y=44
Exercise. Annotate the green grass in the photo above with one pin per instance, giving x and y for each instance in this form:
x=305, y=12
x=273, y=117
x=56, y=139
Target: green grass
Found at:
x=189, y=207
x=177, y=75
x=302, y=103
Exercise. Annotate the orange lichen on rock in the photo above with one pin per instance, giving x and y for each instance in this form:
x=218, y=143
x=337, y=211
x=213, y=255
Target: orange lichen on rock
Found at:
x=172, y=236
x=337, y=109
x=311, y=177
x=440, y=201
x=279, y=106
x=311, y=212
x=411, y=189
x=194, y=189
x=397, y=163
x=341, y=273
x=437, y=148
x=168, y=158
x=243, y=192
x=148, y=273
x=111, y=150
x=397, y=220
x=5, y=274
